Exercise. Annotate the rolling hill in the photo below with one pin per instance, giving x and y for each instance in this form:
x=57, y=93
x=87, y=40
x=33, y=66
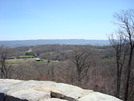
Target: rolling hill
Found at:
x=17, y=43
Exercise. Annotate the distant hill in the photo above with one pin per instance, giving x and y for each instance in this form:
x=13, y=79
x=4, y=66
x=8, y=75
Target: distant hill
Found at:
x=54, y=41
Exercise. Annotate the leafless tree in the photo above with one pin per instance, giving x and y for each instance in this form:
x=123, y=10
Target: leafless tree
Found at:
x=81, y=59
x=121, y=50
x=4, y=67
x=125, y=21
x=41, y=69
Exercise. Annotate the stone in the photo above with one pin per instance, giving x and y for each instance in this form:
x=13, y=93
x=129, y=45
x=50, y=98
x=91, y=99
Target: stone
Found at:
x=61, y=96
x=31, y=94
x=5, y=82
x=31, y=90
x=54, y=99
x=23, y=85
x=69, y=90
x=96, y=96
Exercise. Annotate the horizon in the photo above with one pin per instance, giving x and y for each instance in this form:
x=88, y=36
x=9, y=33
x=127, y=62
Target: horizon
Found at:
x=58, y=19
x=57, y=39
x=17, y=43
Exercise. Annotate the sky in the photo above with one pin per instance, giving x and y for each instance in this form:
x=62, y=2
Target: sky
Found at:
x=59, y=19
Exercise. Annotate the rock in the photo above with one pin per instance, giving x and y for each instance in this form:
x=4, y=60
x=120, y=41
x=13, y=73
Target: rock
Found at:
x=69, y=92
x=5, y=82
x=18, y=90
x=61, y=96
x=23, y=85
x=54, y=99
x=96, y=96
x=31, y=94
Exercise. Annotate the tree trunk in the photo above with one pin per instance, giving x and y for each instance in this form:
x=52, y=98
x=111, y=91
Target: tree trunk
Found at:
x=79, y=79
x=128, y=75
x=118, y=85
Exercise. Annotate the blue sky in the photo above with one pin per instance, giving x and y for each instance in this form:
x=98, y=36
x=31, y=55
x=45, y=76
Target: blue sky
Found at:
x=59, y=19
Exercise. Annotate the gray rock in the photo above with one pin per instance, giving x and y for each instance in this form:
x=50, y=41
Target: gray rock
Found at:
x=61, y=96
x=54, y=99
x=31, y=94
x=5, y=82
x=17, y=90
x=69, y=90
x=23, y=85
x=96, y=96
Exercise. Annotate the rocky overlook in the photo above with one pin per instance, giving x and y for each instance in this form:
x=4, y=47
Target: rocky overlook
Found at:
x=19, y=90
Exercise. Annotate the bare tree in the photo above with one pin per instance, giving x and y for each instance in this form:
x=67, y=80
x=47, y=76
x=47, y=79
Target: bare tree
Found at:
x=40, y=68
x=125, y=21
x=81, y=59
x=121, y=50
x=51, y=70
x=4, y=67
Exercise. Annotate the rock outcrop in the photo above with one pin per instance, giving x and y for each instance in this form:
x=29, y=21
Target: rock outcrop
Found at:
x=19, y=90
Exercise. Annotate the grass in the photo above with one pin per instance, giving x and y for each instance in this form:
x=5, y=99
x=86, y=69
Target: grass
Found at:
x=15, y=61
x=27, y=56
x=30, y=50
x=40, y=61
x=24, y=60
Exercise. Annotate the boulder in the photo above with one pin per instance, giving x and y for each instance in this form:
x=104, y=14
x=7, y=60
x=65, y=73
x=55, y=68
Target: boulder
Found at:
x=19, y=90
x=31, y=94
x=69, y=92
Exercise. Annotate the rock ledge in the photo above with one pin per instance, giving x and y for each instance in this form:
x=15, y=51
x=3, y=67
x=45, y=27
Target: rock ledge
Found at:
x=19, y=90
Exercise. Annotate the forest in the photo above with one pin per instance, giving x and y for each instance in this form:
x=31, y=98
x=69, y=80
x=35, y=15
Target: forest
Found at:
x=90, y=67
x=107, y=69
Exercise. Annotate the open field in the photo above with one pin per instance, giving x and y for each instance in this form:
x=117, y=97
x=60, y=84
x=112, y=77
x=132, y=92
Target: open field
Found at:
x=14, y=61
x=27, y=56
